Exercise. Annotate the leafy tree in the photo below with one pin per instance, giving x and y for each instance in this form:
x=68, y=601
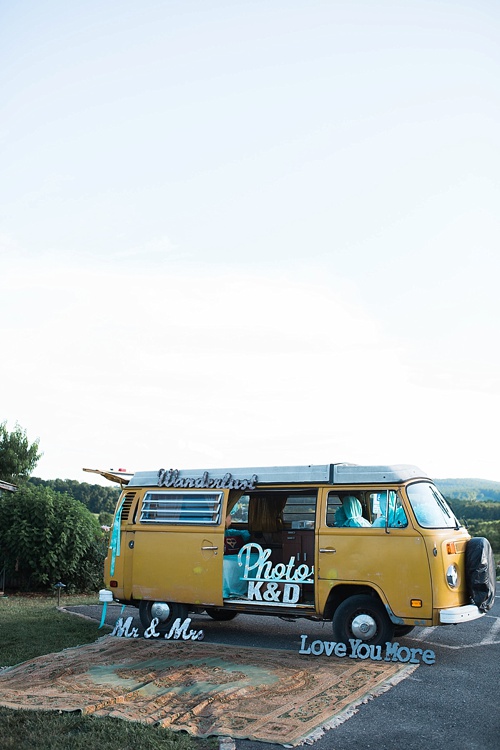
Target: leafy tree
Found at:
x=46, y=537
x=488, y=529
x=470, y=490
x=18, y=457
x=105, y=519
x=96, y=498
x=467, y=510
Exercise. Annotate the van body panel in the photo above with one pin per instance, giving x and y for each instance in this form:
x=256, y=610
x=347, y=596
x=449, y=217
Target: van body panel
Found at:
x=179, y=565
x=440, y=559
x=445, y=547
x=128, y=542
x=394, y=563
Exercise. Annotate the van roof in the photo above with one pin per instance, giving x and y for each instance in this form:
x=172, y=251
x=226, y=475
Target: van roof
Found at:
x=341, y=473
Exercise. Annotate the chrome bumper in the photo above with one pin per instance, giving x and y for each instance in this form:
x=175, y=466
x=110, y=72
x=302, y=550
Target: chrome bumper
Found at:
x=455, y=615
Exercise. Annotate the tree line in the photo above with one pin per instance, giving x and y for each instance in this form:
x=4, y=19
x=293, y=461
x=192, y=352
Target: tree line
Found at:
x=478, y=511
x=470, y=490
x=96, y=498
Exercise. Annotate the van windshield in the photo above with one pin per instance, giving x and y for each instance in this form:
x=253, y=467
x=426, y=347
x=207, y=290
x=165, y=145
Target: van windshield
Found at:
x=430, y=508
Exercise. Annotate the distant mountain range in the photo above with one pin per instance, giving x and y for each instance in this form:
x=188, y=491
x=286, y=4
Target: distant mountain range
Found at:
x=475, y=490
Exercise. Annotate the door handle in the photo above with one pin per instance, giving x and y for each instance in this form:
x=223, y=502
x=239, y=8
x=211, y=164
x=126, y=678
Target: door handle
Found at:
x=330, y=550
x=214, y=548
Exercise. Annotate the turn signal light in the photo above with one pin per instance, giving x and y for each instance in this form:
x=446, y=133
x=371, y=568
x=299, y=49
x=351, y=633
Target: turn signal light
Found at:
x=113, y=584
x=450, y=548
x=416, y=602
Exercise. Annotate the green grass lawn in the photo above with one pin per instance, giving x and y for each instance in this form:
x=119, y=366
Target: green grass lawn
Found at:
x=32, y=626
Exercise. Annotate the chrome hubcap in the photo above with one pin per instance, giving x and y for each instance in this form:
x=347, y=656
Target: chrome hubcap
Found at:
x=364, y=627
x=161, y=611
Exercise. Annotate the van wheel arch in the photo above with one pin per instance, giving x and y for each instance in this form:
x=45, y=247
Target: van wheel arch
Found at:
x=342, y=592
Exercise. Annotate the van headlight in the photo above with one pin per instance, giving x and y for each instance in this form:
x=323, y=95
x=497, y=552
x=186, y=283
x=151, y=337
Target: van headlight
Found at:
x=452, y=576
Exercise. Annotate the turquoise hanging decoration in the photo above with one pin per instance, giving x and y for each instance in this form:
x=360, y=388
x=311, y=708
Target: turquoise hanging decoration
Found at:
x=114, y=543
x=105, y=596
x=103, y=617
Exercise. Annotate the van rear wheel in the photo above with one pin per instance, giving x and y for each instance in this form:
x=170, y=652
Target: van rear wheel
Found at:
x=362, y=617
x=164, y=612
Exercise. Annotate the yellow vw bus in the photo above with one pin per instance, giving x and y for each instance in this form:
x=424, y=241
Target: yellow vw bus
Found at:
x=374, y=549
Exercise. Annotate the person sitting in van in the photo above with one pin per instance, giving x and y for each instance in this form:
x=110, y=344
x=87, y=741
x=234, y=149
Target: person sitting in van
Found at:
x=234, y=540
x=392, y=516
x=340, y=517
x=353, y=512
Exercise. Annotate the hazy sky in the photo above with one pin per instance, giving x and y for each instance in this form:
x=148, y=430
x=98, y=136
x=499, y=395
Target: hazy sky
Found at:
x=251, y=232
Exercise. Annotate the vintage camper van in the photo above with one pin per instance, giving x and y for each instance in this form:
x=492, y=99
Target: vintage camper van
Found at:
x=376, y=550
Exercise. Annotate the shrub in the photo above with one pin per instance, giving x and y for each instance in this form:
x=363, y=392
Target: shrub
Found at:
x=46, y=537
x=105, y=519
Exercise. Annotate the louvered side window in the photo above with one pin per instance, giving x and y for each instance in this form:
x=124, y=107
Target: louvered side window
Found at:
x=195, y=508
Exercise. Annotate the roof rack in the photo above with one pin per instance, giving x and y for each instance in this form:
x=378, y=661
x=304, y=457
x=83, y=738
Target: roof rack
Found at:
x=340, y=473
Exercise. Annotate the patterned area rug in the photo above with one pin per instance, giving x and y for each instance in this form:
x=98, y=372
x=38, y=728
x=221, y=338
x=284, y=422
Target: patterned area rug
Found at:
x=204, y=689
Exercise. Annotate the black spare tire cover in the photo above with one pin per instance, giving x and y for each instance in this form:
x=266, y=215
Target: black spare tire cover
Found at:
x=480, y=572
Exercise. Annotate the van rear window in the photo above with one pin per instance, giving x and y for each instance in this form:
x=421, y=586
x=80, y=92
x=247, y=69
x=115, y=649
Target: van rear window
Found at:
x=195, y=508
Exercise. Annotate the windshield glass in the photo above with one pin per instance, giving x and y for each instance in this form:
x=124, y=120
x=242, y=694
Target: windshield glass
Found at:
x=430, y=508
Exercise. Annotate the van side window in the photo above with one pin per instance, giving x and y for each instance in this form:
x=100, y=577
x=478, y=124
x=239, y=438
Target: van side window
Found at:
x=194, y=508
x=347, y=509
x=387, y=510
x=333, y=505
x=239, y=513
x=299, y=511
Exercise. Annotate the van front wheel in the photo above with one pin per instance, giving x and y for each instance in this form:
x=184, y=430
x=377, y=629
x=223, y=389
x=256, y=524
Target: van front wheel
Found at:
x=362, y=617
x=164, y=612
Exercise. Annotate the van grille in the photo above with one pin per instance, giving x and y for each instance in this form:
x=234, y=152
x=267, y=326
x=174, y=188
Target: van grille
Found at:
x=127, y=504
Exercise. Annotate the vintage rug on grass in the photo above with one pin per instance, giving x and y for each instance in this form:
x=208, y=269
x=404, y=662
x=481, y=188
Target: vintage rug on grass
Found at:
x=201, y=688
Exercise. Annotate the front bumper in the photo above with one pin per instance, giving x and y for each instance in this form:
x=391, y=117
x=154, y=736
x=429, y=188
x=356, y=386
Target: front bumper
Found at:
x=455, y=615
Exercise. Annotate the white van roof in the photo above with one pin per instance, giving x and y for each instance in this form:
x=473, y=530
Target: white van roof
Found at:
x=341, y=473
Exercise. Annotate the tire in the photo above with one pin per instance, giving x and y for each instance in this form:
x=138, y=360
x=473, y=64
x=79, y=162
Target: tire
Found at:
x=401, y=630
x=165, y=612
x=223, y=615
x=480, y=573
x=362, y=617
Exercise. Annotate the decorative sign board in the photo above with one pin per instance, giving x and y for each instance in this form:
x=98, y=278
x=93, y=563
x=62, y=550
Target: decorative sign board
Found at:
x=361, y=650
x=171, y=478
x=265, y=579
x=179, y=631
